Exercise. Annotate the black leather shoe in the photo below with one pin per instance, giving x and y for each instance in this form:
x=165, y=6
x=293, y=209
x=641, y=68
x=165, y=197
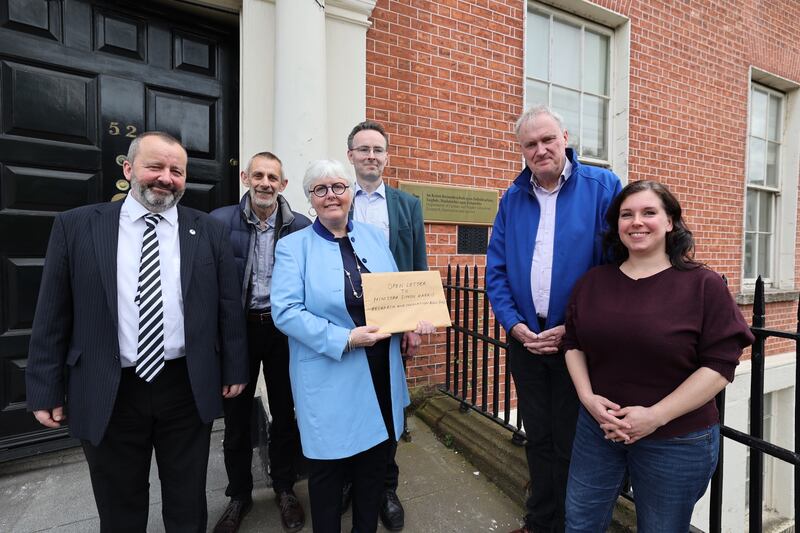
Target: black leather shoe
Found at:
x=233, y=515
x=292, y=515
x=392, y=513
x=347, y=495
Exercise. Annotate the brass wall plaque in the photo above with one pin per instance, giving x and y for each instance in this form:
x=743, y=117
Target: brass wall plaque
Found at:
x=454, y=205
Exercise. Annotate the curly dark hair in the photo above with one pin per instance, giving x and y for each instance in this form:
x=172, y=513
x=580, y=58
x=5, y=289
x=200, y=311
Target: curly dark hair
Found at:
x=680, y=242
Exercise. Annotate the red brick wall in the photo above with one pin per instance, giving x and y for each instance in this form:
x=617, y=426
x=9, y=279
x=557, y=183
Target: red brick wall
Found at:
x=446, y=79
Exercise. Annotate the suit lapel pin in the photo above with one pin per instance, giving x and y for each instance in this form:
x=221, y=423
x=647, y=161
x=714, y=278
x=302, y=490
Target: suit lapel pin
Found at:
x=192, y=231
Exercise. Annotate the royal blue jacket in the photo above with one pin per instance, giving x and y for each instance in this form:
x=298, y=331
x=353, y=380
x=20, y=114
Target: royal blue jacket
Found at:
x=580, y=221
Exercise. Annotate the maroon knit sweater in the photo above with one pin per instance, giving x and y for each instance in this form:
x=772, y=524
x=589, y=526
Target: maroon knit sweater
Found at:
x=643, y=338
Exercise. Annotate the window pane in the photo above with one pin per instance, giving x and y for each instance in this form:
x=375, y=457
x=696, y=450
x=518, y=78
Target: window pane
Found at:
x=537, y=47
x=535, y=93
x=567, y=104
x=763, y=255
x=765, y=212
x=758, y=113
x=772, y=163
x=774, y=118
x=595, y=116
x=566, y=54
x=751, y=210
x=757, y=155
x=749, y=264
x=595, y=63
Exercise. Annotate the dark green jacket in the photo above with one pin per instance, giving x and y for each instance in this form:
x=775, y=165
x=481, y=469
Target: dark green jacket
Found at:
x=406, y=230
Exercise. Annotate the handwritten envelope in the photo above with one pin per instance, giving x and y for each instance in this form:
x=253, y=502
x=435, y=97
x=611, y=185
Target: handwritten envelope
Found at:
x=396, y=301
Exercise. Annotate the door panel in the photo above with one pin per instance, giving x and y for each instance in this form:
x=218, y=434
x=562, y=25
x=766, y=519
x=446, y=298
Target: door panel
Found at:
x=46, y=103
x=78, y=80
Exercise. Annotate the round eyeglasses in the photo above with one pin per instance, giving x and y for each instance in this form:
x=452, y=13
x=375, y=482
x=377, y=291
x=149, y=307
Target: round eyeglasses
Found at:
x=322, y=190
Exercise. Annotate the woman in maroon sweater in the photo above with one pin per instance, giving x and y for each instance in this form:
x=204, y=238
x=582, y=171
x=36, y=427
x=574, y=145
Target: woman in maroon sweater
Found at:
x=650, y=340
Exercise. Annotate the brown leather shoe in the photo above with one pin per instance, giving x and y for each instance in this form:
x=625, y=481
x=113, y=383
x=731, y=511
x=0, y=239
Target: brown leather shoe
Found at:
x=292, y=515
x=523, y=529
x=232, y=517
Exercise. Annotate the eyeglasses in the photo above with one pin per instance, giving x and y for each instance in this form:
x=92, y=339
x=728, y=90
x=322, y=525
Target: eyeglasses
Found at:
x=322, y=190
x=366, y=150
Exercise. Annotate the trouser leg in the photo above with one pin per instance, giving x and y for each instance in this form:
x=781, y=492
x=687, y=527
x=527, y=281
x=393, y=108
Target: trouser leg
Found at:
x=238, y=441
x=181, y=441
x=325, y=481
x=122, y=494
x=392, y=470
x=368, y=471
x=668, y=476
x=596, y=474
x=548, y=407
x=284, y=436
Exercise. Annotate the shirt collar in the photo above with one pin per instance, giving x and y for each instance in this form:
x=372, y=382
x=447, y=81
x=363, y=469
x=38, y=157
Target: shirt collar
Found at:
x=380, y=191
x=323, y=232
x=252, y=217
x=135, y=211
x=565, y=174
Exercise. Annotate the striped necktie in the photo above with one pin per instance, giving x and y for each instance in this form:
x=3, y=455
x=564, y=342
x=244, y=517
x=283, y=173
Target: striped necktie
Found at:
x=150, y=350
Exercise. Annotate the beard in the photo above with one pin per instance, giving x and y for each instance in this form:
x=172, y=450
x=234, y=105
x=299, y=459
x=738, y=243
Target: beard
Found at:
x=153, y=201
x=263, y=203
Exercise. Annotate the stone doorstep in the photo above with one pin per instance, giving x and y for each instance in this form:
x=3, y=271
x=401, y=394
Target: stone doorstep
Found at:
x=488, y=446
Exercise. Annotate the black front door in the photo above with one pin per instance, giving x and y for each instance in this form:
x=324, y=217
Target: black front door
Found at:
x=78, y=80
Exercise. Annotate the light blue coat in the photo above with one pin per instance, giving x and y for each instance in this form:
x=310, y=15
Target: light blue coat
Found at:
x=337, y=410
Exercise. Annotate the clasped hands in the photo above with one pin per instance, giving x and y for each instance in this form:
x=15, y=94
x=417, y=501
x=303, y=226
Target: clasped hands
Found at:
x=622, y=424
x=368, y=336
x=546, y=342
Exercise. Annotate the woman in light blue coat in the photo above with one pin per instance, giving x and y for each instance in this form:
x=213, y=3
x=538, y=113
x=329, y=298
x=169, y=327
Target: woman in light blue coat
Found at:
x=347, y=379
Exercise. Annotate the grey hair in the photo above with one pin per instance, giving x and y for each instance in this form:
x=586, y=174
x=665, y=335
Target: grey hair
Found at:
x=133, y=149
x=324, y=168
x=268, y=156
x=533, y=112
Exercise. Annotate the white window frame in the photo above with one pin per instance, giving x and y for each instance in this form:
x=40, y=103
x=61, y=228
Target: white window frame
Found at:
x=617, y=27
x=584, y=25
x=774, y=191
x=781, y=276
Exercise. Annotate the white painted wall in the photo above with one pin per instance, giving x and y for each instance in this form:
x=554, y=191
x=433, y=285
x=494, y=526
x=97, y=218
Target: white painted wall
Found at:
x=779, y=380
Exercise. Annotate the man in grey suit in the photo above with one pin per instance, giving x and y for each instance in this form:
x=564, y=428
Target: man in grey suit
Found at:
x=137, y=337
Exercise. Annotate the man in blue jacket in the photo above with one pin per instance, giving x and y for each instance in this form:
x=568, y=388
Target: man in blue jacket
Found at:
x=399, y=215
x=546, y=235
x=261, y=218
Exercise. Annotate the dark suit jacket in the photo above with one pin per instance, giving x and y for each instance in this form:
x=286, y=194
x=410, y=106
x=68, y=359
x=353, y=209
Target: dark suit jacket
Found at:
x=74, y=351
x=406, y=230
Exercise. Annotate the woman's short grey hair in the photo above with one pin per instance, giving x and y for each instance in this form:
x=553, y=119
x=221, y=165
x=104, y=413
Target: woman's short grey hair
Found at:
x=324, y=168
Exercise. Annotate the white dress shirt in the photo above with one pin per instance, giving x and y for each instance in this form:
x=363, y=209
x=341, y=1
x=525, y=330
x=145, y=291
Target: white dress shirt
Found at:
x=542, y=261
x=372, y=208
x=129, y=252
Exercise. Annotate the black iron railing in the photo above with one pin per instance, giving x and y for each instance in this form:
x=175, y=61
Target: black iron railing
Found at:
x=754, y=440
x=476, y=355
x=476, y=368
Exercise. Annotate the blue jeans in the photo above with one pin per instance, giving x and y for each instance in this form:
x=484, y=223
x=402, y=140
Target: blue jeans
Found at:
x=668, y=476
